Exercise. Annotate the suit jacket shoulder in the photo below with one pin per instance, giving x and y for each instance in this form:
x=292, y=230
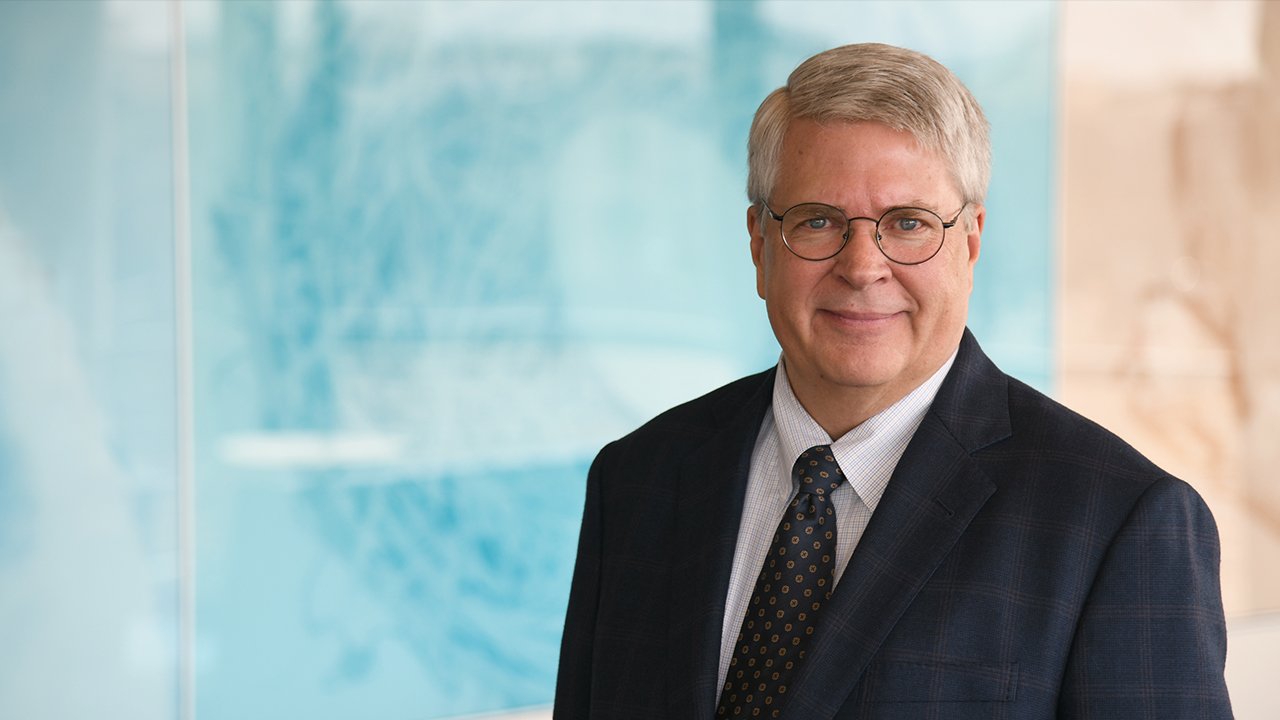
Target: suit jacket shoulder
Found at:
x=686, y=427
x=1018, y=435
x=642, y=630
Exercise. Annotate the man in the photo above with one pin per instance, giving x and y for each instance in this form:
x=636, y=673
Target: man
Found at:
x=884, y=525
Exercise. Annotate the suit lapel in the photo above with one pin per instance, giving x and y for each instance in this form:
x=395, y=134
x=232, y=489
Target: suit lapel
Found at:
x=934, y=493
x=712, y=489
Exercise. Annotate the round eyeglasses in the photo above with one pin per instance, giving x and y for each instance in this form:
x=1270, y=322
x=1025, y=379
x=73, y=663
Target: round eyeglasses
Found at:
x=906, y=235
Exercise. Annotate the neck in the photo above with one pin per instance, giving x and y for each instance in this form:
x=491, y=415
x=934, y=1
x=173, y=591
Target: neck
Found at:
x=840, y=408
x=840, y=413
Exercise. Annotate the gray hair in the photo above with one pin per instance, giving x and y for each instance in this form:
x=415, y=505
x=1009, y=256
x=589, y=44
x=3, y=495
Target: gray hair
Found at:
x=902, y=89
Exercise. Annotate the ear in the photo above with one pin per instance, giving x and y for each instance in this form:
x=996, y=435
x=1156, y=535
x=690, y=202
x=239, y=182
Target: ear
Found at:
x=974, y=237
x=756, y=228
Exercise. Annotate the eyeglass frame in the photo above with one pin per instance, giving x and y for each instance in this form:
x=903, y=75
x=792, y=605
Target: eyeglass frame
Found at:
x=848, y=230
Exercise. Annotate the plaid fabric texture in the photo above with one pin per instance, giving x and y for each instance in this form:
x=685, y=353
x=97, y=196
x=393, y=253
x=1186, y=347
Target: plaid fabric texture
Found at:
x=1022, y=563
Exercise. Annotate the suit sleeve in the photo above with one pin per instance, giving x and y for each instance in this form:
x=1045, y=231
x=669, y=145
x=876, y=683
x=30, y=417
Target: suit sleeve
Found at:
x=573, y=680
x=1151, y=641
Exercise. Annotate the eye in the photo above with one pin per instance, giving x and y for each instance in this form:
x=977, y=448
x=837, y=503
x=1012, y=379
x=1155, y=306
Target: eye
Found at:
x=817, y=223
x=907, y=224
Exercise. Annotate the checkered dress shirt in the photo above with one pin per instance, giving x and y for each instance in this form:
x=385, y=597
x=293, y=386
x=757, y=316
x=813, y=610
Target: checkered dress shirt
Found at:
x=867, y=454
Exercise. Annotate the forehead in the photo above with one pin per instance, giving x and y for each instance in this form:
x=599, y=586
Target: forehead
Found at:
x=856, y=164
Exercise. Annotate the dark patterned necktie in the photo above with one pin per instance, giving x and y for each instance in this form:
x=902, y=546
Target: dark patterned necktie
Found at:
x=797, y=578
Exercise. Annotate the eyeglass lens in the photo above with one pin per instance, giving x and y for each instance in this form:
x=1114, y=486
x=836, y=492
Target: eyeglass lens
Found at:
x=906, y=235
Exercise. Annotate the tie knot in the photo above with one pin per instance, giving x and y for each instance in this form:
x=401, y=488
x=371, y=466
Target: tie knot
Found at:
x=817, y=471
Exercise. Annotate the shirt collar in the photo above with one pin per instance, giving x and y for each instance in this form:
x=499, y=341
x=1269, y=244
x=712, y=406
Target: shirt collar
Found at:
x=887, y=432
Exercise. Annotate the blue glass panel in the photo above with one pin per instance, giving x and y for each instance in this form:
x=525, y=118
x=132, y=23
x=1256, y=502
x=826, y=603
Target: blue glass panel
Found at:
x=87, y=399
x=444, y=252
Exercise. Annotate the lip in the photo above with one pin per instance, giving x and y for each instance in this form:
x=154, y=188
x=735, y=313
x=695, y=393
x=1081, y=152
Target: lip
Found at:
x=860, y=319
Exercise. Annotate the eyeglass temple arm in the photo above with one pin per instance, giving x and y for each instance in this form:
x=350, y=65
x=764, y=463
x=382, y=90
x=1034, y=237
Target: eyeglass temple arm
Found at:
x=949, y=225
x=769, y=210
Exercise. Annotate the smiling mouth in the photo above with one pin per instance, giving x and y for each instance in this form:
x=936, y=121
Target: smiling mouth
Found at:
x=860, y=318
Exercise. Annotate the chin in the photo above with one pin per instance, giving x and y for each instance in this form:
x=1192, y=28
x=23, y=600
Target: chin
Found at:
x=861, y=369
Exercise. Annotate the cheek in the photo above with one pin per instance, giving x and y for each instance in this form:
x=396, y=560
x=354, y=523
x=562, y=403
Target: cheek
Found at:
x=939, y=295
x=953, y=296
x=957, y=275
x=790, y=292
x=796, y=286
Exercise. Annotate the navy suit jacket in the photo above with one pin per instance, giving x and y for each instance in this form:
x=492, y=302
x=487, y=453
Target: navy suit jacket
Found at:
x=1022, y=563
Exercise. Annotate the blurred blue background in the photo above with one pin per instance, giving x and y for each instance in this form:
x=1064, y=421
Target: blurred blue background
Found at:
x=442, y=252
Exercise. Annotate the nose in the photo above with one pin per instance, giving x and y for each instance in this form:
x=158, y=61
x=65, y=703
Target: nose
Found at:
x=860, y=262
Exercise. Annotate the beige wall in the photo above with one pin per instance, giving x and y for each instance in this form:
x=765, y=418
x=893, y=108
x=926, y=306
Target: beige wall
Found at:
x=1169, y=320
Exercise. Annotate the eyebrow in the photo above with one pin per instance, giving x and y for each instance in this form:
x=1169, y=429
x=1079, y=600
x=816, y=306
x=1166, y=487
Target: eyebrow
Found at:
x=912, y=203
